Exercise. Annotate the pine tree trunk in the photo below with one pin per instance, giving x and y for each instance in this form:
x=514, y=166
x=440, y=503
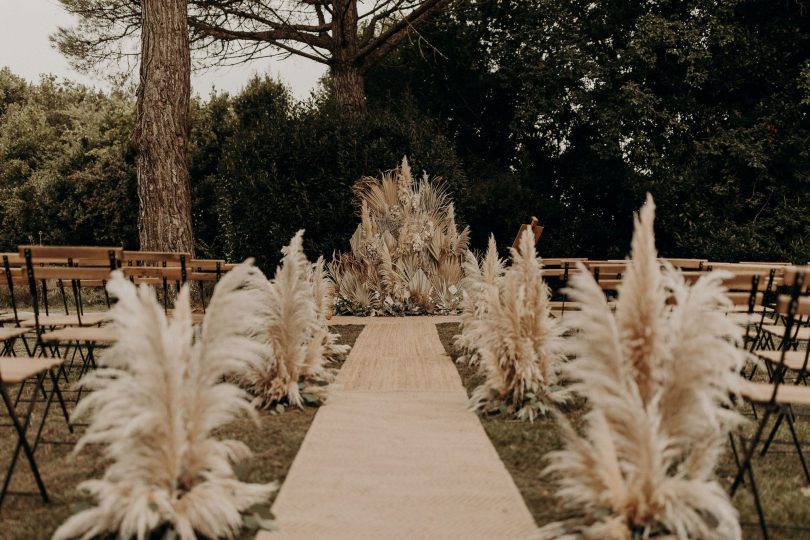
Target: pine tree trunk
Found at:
x=347, y=79
x=350, y=92
x=161, y=132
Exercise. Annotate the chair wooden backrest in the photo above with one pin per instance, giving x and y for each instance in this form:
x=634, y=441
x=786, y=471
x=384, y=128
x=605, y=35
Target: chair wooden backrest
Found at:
x=63, y=264
x=686, y=264
x=535, y=228
x=103, y=256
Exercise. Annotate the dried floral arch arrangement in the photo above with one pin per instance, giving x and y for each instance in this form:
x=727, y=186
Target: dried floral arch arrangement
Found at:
x=407, y=252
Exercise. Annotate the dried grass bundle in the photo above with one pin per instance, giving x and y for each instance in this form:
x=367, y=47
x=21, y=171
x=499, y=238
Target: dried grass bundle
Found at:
x=157, y=397
x=659, y=378
x=407, y=252
x=297, y=343
x=508, y=330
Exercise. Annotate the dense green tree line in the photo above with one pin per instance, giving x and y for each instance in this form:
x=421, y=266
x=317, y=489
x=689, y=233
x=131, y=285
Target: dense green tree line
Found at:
x=568, y=110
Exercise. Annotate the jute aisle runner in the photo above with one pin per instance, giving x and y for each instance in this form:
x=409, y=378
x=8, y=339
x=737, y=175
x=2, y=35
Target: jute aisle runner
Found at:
x=395, y=453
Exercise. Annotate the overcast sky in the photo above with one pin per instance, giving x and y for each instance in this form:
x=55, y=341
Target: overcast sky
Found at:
x=24, y=47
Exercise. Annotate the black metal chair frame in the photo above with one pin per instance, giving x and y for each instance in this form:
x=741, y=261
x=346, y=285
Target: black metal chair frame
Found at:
x=771, y=408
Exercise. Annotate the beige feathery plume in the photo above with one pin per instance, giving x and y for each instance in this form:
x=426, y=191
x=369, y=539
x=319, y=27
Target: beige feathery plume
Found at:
x=658, y=378
x=297, y=341
x=508, y=330
x=157, y=398
x=641, y=315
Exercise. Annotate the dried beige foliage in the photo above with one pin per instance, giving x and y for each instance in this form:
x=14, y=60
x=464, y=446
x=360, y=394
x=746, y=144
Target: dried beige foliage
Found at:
x=407, y=252
x=298, y=344
x=507, y=329
x=157, y=397
x=658, y=376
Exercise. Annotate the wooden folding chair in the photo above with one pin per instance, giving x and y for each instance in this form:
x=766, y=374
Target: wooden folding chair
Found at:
x=776, y=398
x=44, y=264
x=74, y=334
x=15, y=371
x=557, y=272
x=158, y=259
x=536, y=229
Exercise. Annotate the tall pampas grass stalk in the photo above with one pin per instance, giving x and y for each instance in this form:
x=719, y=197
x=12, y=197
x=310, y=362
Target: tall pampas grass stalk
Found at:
x=298, y=343
x=659, y=374
x=479, y=277
x=508, y=330
x=407, y=251
x=157, y=397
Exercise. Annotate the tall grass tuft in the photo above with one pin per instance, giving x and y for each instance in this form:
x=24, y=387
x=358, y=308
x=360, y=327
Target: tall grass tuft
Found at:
x=658, y=374
x=157, y=398
x=407, y=252
x=297, y=343
x=507, y=329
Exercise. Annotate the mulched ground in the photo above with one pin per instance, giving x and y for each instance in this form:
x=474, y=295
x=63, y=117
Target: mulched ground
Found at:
x=275, y=442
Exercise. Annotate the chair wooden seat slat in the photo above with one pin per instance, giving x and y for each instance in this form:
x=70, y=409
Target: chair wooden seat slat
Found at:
x=11, y=333
x=788, y=394
x=802, y=334
x=88, y=319
x=9, y=317
x=102, y=335
x=15, y=369
x=794, y=360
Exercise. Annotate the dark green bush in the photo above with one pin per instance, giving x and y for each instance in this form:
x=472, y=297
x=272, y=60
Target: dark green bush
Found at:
x=288, y=166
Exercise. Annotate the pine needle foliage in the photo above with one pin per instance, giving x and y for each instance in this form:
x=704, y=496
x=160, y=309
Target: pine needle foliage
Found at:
x=298, y=343
x=156, y=399
x=407, y=252
x=507, y=329
x=658, y=374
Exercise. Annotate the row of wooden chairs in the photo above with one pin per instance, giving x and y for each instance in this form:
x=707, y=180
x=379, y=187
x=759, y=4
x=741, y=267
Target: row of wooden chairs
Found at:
x=54, y=342
x=778, y=334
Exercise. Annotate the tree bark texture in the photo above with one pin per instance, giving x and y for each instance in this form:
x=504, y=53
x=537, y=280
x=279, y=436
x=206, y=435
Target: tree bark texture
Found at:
x=347, y=76
x=161, y=132
x=350, y=92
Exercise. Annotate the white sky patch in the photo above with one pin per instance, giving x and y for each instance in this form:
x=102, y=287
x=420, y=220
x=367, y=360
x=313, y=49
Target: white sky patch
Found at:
x=24, y=48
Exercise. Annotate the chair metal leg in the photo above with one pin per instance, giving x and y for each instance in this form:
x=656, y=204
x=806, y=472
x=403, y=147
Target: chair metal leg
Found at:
x=763, y=525
x=797, y=444
x=772, y=434
x=22, y=443
x=749, y=453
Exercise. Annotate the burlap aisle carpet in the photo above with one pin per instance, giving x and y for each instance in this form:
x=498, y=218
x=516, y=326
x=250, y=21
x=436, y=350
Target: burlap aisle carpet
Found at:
x=395, y=453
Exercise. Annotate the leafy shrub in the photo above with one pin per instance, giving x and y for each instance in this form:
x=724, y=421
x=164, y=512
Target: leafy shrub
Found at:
x=66, y=172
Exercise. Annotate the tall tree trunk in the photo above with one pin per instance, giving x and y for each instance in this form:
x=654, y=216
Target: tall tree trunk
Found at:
x=347, y=79
x=350, y=92
x=161, y=132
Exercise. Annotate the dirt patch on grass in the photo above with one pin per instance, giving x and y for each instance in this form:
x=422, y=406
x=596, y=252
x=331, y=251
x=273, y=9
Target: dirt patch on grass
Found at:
x=275, y=442
x=522, y=447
